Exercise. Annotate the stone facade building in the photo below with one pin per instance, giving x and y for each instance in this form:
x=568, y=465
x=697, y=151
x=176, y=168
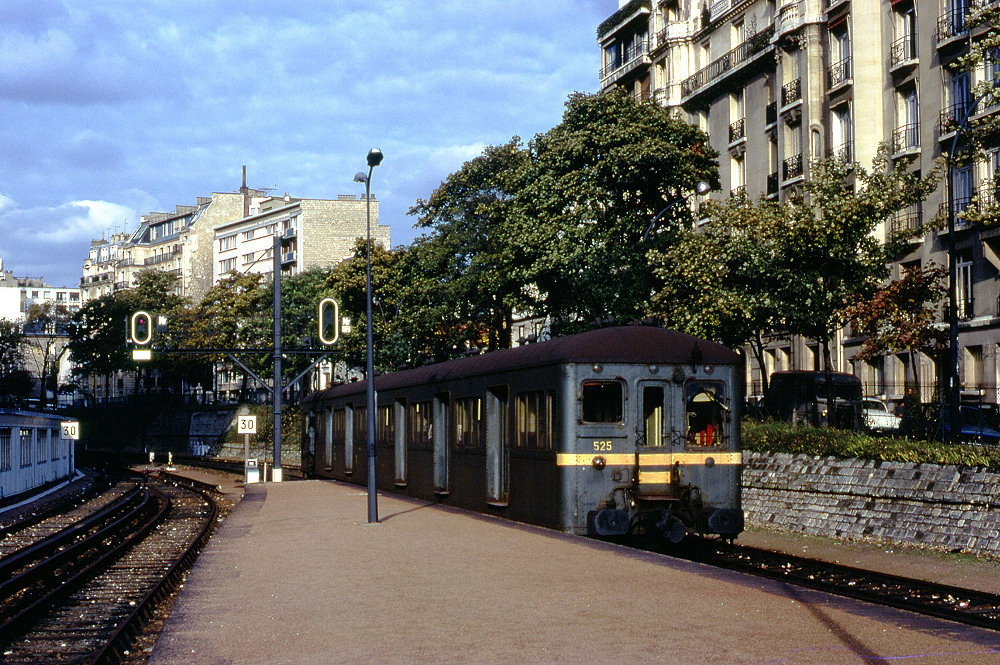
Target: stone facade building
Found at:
x=18, y=294
x=777, y=84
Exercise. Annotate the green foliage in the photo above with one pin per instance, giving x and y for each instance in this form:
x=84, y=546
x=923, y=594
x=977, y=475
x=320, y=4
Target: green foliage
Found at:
x=590, y=188
x=778, y=437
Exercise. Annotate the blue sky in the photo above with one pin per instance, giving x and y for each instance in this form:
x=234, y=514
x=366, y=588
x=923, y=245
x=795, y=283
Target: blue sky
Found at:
x=112, y=109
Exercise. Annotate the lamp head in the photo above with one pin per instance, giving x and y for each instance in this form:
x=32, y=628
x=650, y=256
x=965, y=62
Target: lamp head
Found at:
x=702, y=187
x=360, y=176
x=374, y=157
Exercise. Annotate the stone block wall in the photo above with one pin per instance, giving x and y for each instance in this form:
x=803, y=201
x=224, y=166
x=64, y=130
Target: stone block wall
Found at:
x=942, y=507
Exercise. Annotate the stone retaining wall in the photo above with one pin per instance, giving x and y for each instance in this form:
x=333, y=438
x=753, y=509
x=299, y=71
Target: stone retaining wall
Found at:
x=943, y=507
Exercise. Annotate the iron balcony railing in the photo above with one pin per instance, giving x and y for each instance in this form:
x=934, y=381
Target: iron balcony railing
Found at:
x=950, y=117
x=903, y=50
x=737, y=130
x=844, y=151
x=792, y=167
x=951, y=23
x=905, y=223
x=721, y=66
x=634, y=51
x=980, y=200
x=906, y=138
x=840, y=72
x=791, y=92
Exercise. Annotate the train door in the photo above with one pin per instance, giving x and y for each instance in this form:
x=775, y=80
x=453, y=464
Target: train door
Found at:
x=654, y=444
x=399, y=442
x=497, y=447
x=439, y=435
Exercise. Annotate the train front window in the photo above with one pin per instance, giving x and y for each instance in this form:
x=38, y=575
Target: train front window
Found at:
x=602, y=401
x=706, y=408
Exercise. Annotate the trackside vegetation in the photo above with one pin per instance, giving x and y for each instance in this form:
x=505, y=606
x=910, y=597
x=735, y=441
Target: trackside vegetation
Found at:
x=778, y=437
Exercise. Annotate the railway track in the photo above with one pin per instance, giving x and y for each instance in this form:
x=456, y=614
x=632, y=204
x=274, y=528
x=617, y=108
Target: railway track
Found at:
x=975, y=608
x=81, y=593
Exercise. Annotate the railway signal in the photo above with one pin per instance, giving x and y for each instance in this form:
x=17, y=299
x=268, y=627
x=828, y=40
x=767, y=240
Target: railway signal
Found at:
x=140, y=333
x=329, y=321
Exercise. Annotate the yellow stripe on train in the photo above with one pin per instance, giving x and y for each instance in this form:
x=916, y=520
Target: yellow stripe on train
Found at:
x=650, y=459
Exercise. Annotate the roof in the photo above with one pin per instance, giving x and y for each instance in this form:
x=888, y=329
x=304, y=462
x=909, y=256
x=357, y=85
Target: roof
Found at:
x=625, y=344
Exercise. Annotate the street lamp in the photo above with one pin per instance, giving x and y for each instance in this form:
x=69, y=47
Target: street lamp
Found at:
x=701, y=188
x=954, y=415
x=374, y=159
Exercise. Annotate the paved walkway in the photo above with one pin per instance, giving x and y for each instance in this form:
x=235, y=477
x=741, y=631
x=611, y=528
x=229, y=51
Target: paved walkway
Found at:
x=295, y=575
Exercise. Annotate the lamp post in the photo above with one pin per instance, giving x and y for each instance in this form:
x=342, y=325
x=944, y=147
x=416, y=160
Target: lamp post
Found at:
x=701, y=188
x=954, y=414
x=374, y=159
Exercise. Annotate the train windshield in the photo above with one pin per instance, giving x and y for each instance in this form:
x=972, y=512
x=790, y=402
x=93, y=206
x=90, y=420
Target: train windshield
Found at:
x=602, y=401
x=706, y=407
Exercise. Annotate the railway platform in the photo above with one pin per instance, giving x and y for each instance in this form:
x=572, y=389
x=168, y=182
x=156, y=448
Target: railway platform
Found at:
x=296, y=575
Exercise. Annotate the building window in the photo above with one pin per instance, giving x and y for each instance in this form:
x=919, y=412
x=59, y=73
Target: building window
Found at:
x=840, y=133
x=248, y=259
x=229, y=242
x=964, y=285
x=227, y=265
x=248, y=235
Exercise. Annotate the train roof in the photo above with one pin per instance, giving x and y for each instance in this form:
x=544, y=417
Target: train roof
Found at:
x=625, y=344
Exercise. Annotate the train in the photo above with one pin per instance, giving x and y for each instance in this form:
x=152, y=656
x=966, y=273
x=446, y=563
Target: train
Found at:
x=613, y=432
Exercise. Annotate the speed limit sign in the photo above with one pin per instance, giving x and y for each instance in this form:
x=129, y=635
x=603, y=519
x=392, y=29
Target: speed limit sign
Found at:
x=246, y=424
x=69, y=430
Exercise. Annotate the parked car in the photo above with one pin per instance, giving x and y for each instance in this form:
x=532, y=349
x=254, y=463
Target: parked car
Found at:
x=877, y=417
x=976, y=425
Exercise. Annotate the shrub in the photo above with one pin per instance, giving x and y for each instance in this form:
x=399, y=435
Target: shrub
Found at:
x=779, y=437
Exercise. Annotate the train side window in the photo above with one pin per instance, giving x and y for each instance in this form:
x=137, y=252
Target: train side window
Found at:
x=469, y=422
x=385, y=426
x=705, y=404
x=533, y=420
x=5, y=454
x=602, y=401
x=418, y=424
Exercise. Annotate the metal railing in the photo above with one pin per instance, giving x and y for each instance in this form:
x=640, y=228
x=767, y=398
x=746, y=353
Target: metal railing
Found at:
x=839, y=72
x=905, y=223
x=903, y=50
x=844, y=151
x=737, y=130
x=906, y=138
x=791, y=92
x=635, y=50
x=792, y=167
x=721, y=66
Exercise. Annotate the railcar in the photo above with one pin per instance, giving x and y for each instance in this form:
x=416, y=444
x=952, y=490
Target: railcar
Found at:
x=610, y=432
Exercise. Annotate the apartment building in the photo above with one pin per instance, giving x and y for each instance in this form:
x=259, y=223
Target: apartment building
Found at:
x=315, y=233
x=18, y=294
x=777, y=84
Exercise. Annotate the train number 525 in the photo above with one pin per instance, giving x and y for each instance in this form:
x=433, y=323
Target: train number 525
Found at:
x=602, y=446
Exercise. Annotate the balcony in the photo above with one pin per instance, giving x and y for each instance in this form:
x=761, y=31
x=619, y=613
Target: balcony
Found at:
x=635, y=54
x=950, y=117
x=161, y=258
x=730, y=62
x=839, y=74
x=906, y=224
x=791, y=92
x=288, y=257
x=903, y=52
x=289, y=233
x=951, y=24
x=792, y=167
x=906, y=139
x=737, y=130
x=844, y=152
x=976, y=203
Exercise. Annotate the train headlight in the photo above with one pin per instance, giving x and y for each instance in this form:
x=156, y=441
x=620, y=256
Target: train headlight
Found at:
x=599, y=462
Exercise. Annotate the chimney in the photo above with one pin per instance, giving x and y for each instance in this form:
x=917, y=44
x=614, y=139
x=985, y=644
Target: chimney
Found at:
x=244, y=190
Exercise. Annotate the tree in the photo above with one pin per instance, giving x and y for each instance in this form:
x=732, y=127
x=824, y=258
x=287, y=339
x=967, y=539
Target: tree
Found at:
x=461, y=270
x=15, y=381
x=586, y=196
x=720, y=281
x=831, y=252
x=901, y=316
x=46, y=328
